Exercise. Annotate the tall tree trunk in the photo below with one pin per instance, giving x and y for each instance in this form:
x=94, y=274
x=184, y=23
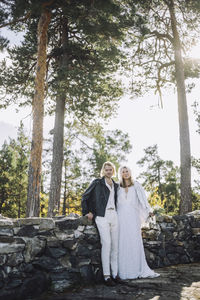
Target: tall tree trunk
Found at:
x=58, y=137
x=65, y=191
x=185, y=154
x=34, y=173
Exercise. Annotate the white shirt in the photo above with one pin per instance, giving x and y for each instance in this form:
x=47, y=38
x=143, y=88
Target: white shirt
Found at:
x=111, y=199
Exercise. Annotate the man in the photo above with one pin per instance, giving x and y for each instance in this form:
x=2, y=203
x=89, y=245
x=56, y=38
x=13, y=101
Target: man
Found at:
x=99, y=203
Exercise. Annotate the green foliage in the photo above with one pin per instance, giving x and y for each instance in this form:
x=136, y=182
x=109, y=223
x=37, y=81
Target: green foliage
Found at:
x=196, y=187
x=86, y=148
x=161, y=180
x=196, y=107
x=93, y=32
x=108, y=146
x=13, y=175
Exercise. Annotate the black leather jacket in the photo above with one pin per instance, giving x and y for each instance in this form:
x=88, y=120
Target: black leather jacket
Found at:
x=96, y=196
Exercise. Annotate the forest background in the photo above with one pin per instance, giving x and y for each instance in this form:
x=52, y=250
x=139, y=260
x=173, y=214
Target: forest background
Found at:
x=91, y=133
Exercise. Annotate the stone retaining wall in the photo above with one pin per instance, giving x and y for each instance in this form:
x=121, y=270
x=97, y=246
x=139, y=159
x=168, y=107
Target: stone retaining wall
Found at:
x=37, y=254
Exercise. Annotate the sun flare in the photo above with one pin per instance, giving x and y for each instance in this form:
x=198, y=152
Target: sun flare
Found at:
x=195, y=52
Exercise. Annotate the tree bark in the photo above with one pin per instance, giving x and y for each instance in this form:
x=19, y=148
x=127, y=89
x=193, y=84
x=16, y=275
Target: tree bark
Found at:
x=65, y=191
x=34, y=173
x=58, y=137
x=185, y=154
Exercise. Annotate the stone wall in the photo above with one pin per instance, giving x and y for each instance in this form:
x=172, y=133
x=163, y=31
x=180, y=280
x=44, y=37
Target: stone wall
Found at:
x=37, y=254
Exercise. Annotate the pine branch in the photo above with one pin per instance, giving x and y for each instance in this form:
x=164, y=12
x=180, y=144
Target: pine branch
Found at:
x=16, y=21
x=162, y=35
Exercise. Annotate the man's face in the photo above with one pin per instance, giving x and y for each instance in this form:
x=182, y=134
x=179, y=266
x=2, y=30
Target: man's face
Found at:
x=108, y=171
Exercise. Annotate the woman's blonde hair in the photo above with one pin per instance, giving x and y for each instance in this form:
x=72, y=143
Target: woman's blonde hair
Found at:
x=121, y=180
x=107, y=163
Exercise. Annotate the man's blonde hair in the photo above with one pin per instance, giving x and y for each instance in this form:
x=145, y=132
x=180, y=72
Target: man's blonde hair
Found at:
x=108, y=163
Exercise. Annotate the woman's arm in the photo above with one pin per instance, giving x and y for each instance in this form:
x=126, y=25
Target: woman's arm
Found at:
x=146, y=208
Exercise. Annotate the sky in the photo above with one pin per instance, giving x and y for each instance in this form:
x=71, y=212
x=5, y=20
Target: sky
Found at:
x=141, y=118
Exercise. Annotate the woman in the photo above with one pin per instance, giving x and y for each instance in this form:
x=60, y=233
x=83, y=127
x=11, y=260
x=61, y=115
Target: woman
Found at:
x=133, y=209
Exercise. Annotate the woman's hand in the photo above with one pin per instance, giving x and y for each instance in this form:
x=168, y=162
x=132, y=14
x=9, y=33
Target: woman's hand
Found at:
x=151, y=214
x=89, y=216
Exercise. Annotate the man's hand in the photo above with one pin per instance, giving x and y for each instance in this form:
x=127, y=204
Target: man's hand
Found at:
x=89, y=216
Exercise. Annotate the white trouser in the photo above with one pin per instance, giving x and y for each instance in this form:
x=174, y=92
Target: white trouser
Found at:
x=108, y=230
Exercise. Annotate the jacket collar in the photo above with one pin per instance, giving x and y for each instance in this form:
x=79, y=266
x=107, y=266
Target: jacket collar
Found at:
x=102, y=181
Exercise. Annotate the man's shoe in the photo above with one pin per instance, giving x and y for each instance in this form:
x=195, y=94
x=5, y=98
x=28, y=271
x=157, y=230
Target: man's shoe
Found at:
x=109, y=282
x=117, y=280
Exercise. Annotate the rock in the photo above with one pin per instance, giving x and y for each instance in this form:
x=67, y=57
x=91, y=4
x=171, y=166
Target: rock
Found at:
x=86, y=273
x=6, y=231
x=61, y=285
x=62, y=236
x=159, y=218
x=83, y=251
x=167, y=226
x=26, y=268
x=15, y=259
x=14, y=283
x=70, y=244
x=96, y=257
x=52, y=241
x=57, y=276
x=69, y=250
x=90, y=230
x=73, y=261
x=3, y=259
x=34, y=286
x=67, y=223
x=184, y=234
x=196, y=231
x=42, y=223
x=64, y=280
x=47, y=264
x=73, y=215
x=46, y=224
x=6, y=248
x=173, y=258
x=6, y=223
x=27, y=231
x=55, y=252
x=149, y=256
x=152, y=245
x=84, y=261
x=92, y=239
x=65, y=261
x=184, y=259
x=150, y=234
x=34, y=247
x=81, y=228
x=78, y=234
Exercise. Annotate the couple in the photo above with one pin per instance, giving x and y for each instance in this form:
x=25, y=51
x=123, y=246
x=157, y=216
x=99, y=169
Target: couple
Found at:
x=118, y=211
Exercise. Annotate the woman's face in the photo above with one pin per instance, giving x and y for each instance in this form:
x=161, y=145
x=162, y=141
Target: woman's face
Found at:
x=126, y=174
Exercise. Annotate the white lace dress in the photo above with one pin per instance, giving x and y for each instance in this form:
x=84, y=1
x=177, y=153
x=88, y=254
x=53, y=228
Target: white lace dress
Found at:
x=133, y=209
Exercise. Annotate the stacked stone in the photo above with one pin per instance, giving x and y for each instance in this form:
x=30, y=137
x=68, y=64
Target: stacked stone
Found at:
x=172, y=240
x=37, y=254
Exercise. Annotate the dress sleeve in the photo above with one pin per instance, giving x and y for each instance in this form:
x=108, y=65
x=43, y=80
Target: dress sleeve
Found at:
x=145, y=208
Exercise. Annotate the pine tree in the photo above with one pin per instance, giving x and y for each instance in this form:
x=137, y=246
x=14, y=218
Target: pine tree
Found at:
x=160, y=179
x=13, y=175
x=83, y=40
x=166, y=29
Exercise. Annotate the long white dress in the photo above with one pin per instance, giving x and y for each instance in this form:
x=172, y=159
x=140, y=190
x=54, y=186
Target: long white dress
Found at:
x=133, y=209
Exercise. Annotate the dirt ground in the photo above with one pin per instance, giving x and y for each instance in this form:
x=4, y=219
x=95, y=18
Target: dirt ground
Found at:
x=180, y=282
